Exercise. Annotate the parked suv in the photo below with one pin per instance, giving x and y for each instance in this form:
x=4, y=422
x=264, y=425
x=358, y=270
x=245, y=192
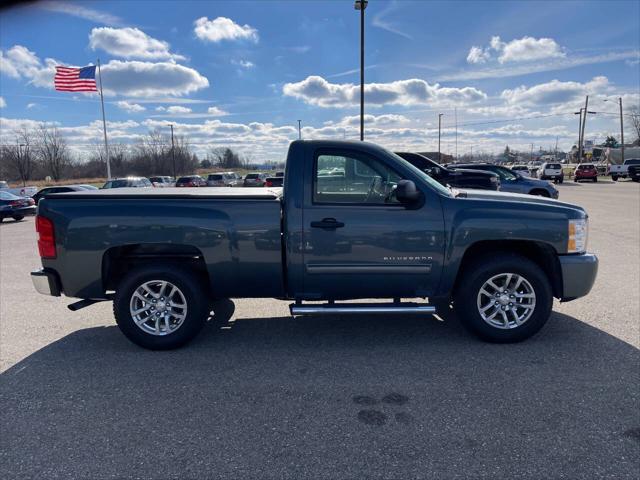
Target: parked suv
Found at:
x=224, y=179
x=255, y=179
x=459, y=178
x=162, y=181
x=513, y=182
x=585, y=171
x=130, y=182
x=552, y=171
x=522, y=170
x=191, y=181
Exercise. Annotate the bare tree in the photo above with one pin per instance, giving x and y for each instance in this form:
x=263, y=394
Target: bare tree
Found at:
x=20, y=158
x=634, y=122
x=53, y=152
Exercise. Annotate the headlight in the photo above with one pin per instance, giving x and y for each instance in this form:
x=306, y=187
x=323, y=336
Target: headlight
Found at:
x=578, y=233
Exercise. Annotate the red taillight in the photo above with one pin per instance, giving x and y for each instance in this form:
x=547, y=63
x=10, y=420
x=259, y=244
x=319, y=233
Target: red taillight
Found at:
x=15, y=203
x=268, y=183
x=32, y=201
x=46, y=237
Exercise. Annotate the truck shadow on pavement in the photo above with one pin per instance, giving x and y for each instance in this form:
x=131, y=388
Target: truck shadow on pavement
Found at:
x=326, y=397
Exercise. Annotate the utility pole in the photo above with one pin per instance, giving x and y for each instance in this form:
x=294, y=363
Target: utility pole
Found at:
x=361, y=5
x=621, y=131
x=579, y=130
x=439, y=130
x=455, y=110
x=531, y=154
x=299, y=129
x=173, y=153
x=555, y=150
x=584, y=121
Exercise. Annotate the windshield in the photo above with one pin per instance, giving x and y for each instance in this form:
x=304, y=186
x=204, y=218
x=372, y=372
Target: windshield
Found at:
x=505, y=173
x=633, y=161
x=423, y=176
x=116, y=184
x=8, y=196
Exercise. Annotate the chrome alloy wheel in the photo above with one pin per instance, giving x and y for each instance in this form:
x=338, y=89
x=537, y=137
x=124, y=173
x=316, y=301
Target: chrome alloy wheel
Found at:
x=506, y=301
x=158, y=307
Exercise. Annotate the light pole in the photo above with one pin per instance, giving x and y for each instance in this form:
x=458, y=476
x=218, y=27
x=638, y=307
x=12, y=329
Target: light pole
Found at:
x=361, y=5
x=24, y=184
x=173, y=153
x=439, y=130
x=621, y=129
x=299, y=129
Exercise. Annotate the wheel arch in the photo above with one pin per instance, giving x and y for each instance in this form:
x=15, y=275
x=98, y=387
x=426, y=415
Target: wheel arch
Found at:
x=117, y=261
x=542, y=254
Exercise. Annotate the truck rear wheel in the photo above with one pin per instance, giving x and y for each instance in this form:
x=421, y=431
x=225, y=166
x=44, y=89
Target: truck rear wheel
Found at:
x=504, y=298
x=160, y=307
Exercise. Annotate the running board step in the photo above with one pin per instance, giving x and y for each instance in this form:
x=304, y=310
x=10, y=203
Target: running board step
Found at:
x=359, y=308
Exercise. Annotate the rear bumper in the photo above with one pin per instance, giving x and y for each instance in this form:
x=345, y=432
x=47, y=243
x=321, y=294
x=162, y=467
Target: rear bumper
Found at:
x=578, y=275
x=19, y=212
x=46, y=282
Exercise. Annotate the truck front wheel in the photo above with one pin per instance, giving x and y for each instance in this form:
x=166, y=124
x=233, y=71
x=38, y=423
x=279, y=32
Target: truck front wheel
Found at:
x=160, y=307
x=504, y=298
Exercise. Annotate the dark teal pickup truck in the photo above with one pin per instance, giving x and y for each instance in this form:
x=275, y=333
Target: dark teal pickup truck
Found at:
x=353, y=221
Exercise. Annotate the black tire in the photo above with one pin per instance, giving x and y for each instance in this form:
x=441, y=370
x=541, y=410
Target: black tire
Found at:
x=561, y=180
x=595, y=179
x=614, y=178
x=474, y=277
x=197, y=300
x=18, y=218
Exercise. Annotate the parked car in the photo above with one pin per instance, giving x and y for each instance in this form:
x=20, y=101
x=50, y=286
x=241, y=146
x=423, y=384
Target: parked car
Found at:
x=15, y=207
x=522, y=170
x=162, y=181
x=384, y=229
x=274, y=182
x=88, y=187
x=585, y=171
x=622, y=171
x=552, y=171
x=513, y=182
x=279, y=174
x=255, y=179
x=57, y=189
x=191, y=181
x=224, y=179
x=19, y=191
x=459, y=178
x=128, y=182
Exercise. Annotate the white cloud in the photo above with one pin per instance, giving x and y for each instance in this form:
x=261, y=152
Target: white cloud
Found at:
x=177, y=109
x=130, y=107
x=377, y=120
x=243, y=63
x=216, y=112
x=478, y=55
x=223, y=28
x=525, y=49
x=31, y=105
x=316, y=90
x=554, y=92
x=148, y=79
x=130, y=43
x=160, y=109
x=552, y=64
x=76, y=10
x=3, y=102
x=19, y=62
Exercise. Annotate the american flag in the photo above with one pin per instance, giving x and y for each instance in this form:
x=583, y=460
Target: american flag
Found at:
x=70, y=79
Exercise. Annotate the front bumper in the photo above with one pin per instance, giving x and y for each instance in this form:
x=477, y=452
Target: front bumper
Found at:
x=578, y=275
x=46, y=282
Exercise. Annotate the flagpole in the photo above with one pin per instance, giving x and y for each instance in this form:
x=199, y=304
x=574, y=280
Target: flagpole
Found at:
x=104, y=125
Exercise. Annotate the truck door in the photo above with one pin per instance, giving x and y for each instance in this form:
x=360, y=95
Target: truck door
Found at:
x=361, y=242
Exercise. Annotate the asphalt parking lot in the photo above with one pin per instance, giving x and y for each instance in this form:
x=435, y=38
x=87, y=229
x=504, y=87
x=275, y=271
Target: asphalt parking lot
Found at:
x=269, y=396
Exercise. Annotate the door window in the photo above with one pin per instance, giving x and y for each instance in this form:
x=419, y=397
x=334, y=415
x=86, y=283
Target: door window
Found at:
x=347, y=179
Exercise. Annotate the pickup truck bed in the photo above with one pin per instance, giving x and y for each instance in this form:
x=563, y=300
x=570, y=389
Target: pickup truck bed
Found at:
x=236, y=231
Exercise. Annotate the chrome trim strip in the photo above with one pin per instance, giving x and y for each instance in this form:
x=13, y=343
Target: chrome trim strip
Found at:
x=369, y=309
x=368, y=268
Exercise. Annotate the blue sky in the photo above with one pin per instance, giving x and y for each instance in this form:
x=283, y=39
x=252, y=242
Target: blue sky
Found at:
x=241, y=74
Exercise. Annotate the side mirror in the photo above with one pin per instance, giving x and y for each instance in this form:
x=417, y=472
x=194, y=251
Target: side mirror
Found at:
x=407, y=193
